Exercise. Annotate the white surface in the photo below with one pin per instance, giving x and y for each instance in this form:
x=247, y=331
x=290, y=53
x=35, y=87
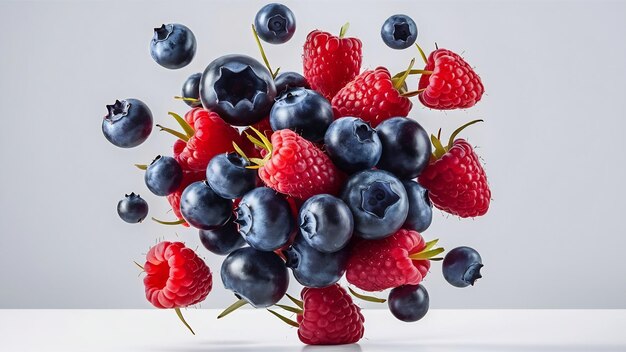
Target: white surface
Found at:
x=439, y=331
x=553, y=141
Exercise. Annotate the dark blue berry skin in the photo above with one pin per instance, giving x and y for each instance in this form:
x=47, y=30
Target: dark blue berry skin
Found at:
x=409, y=303
x=288, y=80
x=313, y=268
x=222, y=240
x=461, y=266
x=239, y=88
x=128, y=123
x=173, y=46
x=228, y=177
x=326, y=223
x=259, y=277
x=304, y=111
x=264, y=218
x=406, y=147
x=275, y=23
x=378, y=202
x=163, y=175
x=202, y=208
x=420, y=214
x=399, y=32
x=191, y=89
x=352, y=144
x=132, y=209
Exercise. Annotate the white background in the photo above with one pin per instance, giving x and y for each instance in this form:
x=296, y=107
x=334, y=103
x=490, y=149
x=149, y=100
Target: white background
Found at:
x=552, y=140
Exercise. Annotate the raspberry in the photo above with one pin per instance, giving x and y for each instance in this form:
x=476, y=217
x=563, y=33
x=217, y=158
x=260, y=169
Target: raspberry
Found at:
x=457, y=183
x=211, y=136
x=329, y=317
x=298, y=168
x=330, y=61
x=176, y=276
x=376, y=265
x=453, y=83
x=372, y=97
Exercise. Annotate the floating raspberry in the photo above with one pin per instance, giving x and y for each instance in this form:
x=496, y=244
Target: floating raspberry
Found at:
x=453, y=83
x=401, y=259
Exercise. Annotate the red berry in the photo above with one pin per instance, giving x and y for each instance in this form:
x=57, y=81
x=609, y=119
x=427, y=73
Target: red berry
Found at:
x=212, y=136
x=457, y=182
x=376, y=265
x=175, y=276
x=189, y=177
x=453, y=83
x=329, y=317
x=298, y=168
x=330, y=62
x=372, y=97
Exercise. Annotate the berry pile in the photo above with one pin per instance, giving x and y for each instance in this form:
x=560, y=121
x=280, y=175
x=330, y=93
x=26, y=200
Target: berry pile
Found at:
x=320, y=175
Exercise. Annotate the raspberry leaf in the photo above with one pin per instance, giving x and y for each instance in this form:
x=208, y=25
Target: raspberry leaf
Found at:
x=142, y=166
x=233, y=307
x=289, y=308
x=422, y=53
x=267, y=62
x=296, y=301
x=366, y=297
x=344, y=30
x=176, y=222
x=284, y=318
x=180, y=316
x=423, y=255
x=189, y=131
x=175, y=133
x=458, y=130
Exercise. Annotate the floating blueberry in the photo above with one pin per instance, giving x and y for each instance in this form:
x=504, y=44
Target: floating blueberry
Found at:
x=275, y=23
x=163, y=175
x=378, y=202
x=409, y=303
x=228, y=176
x=352, y=144
x=222, y=240
x=239, y=88
x=288, y=80
x=399, y=32
x=420, y=208
x=128, y=123
x=132, y=209
x=406, y=147
x=191, y=89
x=264, y=218
x=461, y=266
x=326, y=223
x=173, y=46
x=202, y=208
x=303, y=111
x=259, y=277
x=313, y=268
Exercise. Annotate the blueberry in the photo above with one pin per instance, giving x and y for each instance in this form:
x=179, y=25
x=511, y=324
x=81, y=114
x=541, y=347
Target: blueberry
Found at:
x=406, y=147
x=288, y=80
x=264, y=218
x=352, y=144
x=222, y=240
x=202, y=208
x=173, y=46
x=313, y=268
x=239, y=88
x=420, y=208
x=128, y=123
x=132, y=208
x=378, y=202
x=259, y=277
x=275, y=23
x=461, y=266
x=191, y=89
x=163, y=175
x=409, y=303
x=326, y=223
x=304, y=111
x=399, y=32
x=228, y=176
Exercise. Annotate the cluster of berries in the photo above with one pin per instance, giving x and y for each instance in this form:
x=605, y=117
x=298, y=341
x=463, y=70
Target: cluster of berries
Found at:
x=322, y=174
